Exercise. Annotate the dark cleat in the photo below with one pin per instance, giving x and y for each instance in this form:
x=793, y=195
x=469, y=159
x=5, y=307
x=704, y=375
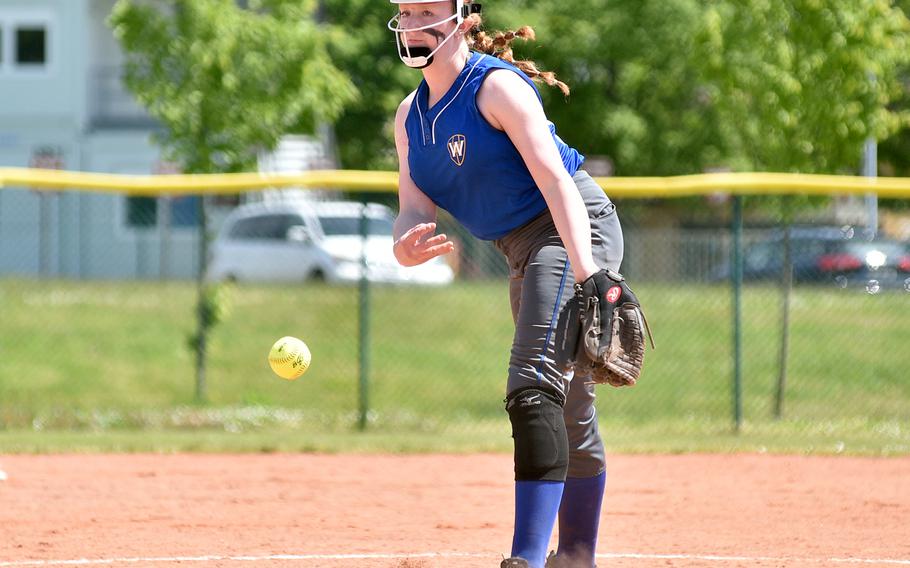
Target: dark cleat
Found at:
x=554, y=561
x=514, y=563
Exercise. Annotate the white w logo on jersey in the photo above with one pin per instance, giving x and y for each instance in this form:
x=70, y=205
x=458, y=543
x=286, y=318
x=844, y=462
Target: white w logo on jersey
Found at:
x=456, y=145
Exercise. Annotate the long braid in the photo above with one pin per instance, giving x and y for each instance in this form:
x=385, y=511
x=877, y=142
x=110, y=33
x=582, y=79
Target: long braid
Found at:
x=500, y=45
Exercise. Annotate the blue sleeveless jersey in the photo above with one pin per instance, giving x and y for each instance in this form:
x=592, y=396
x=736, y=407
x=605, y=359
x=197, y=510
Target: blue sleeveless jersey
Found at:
x=466, y=166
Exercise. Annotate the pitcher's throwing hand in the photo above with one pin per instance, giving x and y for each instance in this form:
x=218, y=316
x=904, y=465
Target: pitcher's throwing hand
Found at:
x=419, y=245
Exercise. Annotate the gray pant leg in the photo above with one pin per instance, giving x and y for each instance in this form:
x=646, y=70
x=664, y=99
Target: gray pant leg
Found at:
x=542, y=291
x=586, y=449
x=540, y=285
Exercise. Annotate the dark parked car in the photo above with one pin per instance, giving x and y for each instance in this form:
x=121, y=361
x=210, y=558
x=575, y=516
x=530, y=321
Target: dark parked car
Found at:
x=826, y=254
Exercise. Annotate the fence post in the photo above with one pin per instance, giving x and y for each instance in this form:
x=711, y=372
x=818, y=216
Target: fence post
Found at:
x=43, y=235
x=364, y=320
x=737, y=275
x=786, y=290
x=202, y=314
x=164, y=235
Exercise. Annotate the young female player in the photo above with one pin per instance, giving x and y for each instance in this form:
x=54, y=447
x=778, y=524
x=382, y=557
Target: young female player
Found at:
x=473, y=139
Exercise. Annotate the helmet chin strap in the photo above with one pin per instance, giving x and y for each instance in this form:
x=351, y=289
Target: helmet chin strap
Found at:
x=419, y=57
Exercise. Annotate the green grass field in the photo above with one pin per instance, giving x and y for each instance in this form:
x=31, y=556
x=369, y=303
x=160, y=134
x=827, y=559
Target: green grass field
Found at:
x=105, y=366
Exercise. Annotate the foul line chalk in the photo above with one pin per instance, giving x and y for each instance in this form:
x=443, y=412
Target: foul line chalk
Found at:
x=716, y=558
x=402, y=556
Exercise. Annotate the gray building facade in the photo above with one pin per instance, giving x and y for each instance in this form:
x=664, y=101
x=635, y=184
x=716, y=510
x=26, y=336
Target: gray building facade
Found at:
x=62, y=105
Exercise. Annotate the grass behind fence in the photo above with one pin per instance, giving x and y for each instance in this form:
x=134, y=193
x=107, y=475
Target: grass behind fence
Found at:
x=110, y=358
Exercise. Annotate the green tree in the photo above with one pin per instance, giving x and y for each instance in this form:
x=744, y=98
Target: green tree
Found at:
x=679, y=86
x=894, y=152
x=669, y=87
x=363, y=46
x=805, y=81
x=226, y=83
x=636, y=95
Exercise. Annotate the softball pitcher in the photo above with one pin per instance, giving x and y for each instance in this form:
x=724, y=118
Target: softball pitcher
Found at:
x=473, y=139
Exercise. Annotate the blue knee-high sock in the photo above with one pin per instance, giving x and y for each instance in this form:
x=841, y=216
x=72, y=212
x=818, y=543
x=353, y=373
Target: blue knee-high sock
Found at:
x=579, y=517
x=536, y=506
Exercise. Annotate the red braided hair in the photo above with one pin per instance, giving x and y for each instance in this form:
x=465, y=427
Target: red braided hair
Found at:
x=500, y=45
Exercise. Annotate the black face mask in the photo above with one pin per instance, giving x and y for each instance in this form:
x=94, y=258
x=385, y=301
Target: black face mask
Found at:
x=417, y=52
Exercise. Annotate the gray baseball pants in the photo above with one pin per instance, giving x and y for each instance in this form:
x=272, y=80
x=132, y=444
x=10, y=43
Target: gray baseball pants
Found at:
x=540, y=283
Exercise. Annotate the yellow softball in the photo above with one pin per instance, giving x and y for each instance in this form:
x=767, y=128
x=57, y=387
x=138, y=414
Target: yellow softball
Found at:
x=289, y=358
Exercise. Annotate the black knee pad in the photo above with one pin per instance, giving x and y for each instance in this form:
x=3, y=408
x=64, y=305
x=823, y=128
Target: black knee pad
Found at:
x=539, y=431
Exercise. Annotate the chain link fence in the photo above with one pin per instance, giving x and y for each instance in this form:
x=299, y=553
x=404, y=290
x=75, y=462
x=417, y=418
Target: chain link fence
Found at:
x=99, y=307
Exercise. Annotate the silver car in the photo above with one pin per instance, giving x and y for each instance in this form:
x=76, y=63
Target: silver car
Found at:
x=294, y=241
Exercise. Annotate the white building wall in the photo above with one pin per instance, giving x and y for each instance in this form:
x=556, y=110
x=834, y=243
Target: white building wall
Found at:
x=52, y=94
x=77, y=108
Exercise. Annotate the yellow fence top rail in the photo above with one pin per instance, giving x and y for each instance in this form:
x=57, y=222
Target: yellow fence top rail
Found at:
x=385, y=181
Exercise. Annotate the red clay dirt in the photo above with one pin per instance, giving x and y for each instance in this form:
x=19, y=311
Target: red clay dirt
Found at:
x=380, y=511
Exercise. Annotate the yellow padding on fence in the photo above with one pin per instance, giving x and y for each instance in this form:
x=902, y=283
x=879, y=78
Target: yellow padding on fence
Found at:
x=209, y=184
x=358, y=180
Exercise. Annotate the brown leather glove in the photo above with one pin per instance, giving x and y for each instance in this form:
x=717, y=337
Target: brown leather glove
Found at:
x=603, y=331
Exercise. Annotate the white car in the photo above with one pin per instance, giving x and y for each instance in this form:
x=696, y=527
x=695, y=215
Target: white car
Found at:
x=293, y=241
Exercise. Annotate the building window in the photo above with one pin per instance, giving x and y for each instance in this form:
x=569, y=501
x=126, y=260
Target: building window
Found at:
x=27, y=40
x=31, y=45
x=141, y=212
x=185, y=211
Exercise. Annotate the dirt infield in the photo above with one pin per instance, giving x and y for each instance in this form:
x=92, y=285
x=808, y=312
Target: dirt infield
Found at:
x=448, y=511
